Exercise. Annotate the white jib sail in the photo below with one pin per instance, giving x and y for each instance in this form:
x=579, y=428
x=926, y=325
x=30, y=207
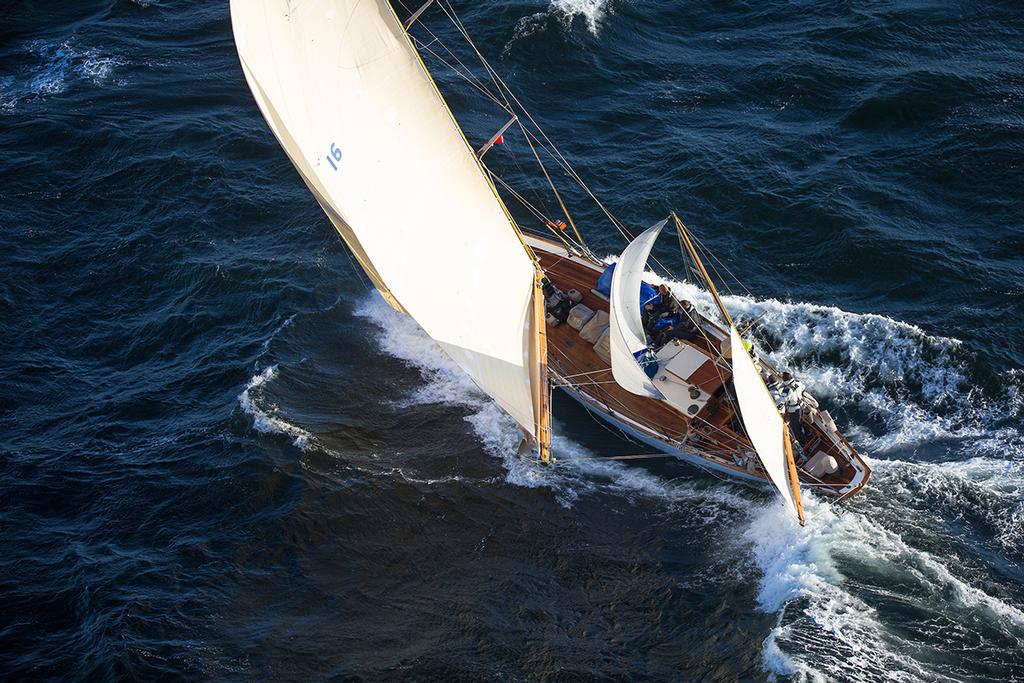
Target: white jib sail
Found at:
x=761, y=418
x=627, y=329
x=348, y=98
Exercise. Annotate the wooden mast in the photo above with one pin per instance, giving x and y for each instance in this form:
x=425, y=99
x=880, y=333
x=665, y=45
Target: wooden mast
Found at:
x=794, y=479
x=539, y=372
x=684, y=238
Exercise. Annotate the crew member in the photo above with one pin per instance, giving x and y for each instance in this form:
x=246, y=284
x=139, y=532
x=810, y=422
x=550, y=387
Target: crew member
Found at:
x=792, y=392
x=666, y=302
x=684, y=328
x=772, y=382
x=660, y=320
x=690, y=316
x=648, y=317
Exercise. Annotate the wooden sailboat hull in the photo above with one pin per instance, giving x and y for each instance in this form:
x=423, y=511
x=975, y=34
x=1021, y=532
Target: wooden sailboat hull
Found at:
x=423, y=264
x=712, y=438
x=694, y=458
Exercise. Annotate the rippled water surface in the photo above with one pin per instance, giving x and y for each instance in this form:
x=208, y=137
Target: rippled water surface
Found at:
x=223, y=457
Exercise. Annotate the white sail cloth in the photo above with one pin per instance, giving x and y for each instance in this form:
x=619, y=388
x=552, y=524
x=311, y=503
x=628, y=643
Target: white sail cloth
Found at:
x=761, y=418
x=627, y=329
x=348, y=98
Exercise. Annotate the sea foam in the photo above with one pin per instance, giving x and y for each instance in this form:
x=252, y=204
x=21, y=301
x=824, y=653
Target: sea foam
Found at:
x=266, y=417
x=836, y=627
x=563, y=13
x=592, y=11
x=821, y=618
x=55, y=66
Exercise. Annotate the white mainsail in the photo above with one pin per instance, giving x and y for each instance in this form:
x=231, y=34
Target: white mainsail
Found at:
x=761, y=419
x=627, y=329
x=346, y=95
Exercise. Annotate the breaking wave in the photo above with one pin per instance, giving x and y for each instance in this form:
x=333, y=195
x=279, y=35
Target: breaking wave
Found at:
x=266, y=418
x=832, y=620
x=53, y=67
x=592, y=12
x=824, y=617
x=563, y=13
x=985, y=492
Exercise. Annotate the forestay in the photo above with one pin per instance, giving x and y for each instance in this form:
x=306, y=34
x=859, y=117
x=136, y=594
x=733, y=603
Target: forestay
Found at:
x=761, y=418
x=348, y=98
x=627, y=329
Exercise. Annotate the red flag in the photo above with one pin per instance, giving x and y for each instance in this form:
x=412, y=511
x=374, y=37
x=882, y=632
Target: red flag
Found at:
x=500, y=140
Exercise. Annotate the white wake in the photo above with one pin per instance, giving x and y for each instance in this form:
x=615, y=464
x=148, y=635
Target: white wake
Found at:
x=827, y=624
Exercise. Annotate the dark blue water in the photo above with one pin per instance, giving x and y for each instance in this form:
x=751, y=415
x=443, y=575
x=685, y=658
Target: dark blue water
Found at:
x=223, y=457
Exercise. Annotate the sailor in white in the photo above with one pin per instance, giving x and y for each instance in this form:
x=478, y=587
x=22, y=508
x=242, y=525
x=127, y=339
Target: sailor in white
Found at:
x=791, y=391
x=772, y=382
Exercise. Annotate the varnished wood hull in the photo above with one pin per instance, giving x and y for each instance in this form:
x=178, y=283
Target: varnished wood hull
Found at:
x=713, y=438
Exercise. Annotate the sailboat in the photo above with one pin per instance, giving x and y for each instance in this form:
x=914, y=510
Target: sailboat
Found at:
x=344, y=88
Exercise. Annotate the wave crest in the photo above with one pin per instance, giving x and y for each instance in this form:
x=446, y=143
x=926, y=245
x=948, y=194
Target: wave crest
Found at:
x=55, y=65
x=267, y=418
x=562, y=14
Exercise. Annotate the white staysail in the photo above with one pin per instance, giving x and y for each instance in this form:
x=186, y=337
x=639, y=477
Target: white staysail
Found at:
x=627, y=329
x=348, y=98
x=761, y=419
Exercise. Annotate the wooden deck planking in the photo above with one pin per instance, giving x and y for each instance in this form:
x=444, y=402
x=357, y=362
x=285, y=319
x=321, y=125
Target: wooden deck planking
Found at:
x=570, y=355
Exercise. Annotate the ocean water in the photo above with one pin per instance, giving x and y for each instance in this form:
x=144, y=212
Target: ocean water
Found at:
x=222, y=456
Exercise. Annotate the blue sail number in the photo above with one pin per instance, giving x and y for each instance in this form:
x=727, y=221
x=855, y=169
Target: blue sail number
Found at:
x=334, y=156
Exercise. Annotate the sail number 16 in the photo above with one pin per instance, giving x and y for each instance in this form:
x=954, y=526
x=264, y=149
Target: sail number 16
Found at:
x=334, y=156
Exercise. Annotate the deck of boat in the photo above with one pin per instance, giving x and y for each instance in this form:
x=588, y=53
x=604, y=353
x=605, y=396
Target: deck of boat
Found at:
x=578, y=369
x=572, y=357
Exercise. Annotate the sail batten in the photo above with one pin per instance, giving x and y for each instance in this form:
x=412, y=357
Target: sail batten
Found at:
x=350, y=101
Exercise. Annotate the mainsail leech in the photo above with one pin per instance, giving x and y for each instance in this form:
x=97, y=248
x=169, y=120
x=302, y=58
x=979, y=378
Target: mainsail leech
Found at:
x=350, y=101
